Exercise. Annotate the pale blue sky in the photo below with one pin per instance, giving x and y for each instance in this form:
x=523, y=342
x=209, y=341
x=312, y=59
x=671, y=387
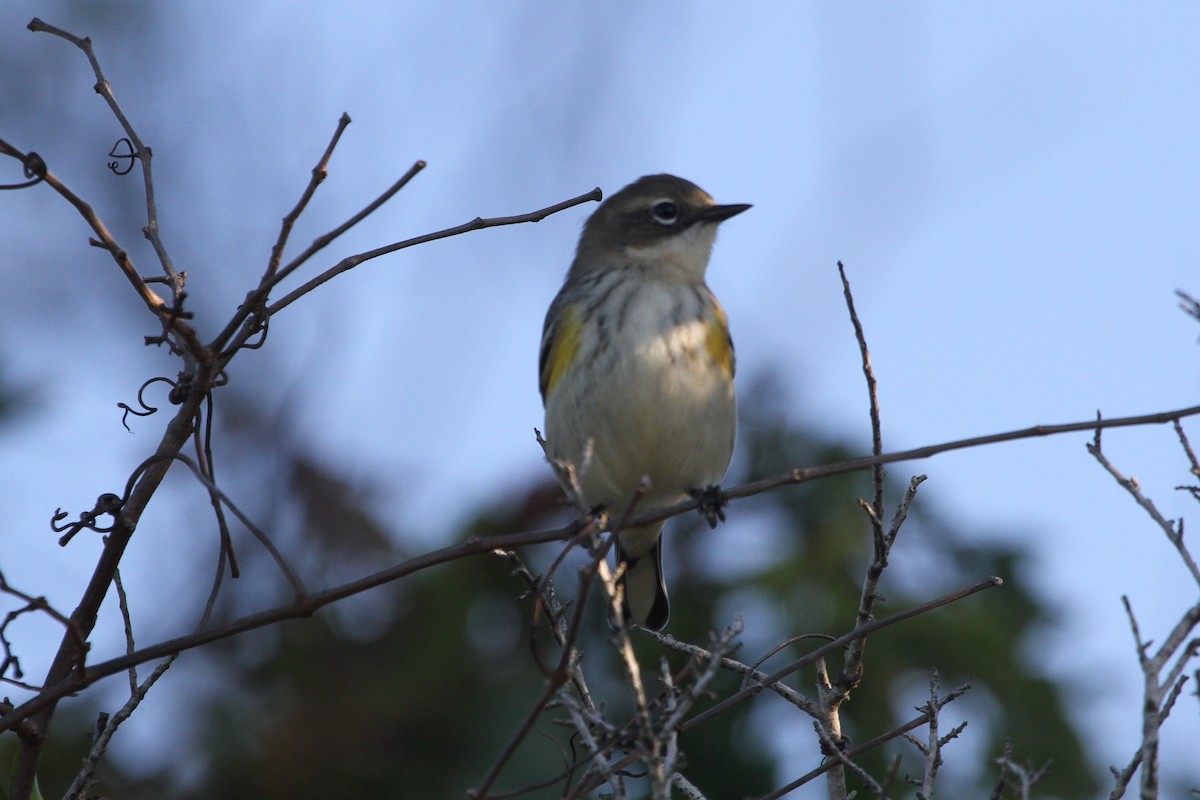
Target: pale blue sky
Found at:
x=1013, y=188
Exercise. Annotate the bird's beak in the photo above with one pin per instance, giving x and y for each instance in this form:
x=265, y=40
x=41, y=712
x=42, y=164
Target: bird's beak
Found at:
x=720, y=213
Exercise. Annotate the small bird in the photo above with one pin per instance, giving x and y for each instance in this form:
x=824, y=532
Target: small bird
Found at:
x=637, y=369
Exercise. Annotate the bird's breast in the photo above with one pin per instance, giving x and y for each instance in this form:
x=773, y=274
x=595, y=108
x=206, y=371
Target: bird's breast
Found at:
x=652, y=390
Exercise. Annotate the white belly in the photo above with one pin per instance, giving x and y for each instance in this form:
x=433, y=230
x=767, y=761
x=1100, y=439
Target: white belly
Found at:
x=663, y=407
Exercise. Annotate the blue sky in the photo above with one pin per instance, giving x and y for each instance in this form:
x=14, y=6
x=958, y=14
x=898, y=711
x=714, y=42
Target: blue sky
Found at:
x=1012, y=187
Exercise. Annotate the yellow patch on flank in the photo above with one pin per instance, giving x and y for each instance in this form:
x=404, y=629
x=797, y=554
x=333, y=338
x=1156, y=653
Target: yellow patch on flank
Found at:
x=718, y=341
x=563, y=348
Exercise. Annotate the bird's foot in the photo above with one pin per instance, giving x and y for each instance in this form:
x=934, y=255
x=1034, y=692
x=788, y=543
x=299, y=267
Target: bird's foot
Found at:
x=712, y=503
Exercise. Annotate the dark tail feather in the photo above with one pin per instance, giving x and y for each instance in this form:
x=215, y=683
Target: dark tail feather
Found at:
x=645, y=592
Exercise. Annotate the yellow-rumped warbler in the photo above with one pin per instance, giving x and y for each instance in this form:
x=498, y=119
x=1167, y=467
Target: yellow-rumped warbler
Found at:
x=637, y=367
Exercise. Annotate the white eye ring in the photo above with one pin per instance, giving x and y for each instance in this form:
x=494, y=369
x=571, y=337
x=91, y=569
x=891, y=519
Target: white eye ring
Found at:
x=665, y=212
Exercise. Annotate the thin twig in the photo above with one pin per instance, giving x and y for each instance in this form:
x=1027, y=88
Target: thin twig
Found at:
x=297, y=586
x=105, y=241
x=1026, y=776
x=59, y=687
x=806, y=474
x=1122, y=777
x=1189, y=304
x=1174, y=535
x=820, y=652
x=715, y=657
x=690, y=791
x=143, y=153
x=479, y=223
x=596, y=752
x=319, y=173
x=839, y=643
x=838, y=762
x=749, y=672
x=84, y=779
x=73, y=682
x=852, y=668
x=325, y=240
x=1194, y=465
x=579, y=705
x=544, y=594
x=831, y=694
x=1159, y=691
x=564, y=672
x=649, y=744
x=877, y=475
x=553, y=684
x=828, y=728
x=33, y=604
x=851, y=752
x=63, y=673
x=932, y=748
x=127, y=620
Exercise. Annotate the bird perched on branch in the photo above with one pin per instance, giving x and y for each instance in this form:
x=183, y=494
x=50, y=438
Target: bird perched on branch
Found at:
x=637, y=370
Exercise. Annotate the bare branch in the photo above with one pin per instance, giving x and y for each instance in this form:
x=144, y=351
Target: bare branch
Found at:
x=873, y=395
x=932, y=748
x=715, y=658
x=837, y=644
x=686, y=787
x=65, y=675
x=293, y=579
x=72, y=682
x=1019, y=778
x=506, y=753
x=597, y=752
x=851, y=670
x=782, y=689
x=806, y=474
x=829, y=732
x=775, y=677
x=1175, y=536
x=321, y=242
x=1189, y=304
x=1194, y=467
x=251, y=316
x=85, y=778
x=318, y=175
x=32, y=604
x=479, y=223
x=833, y=746
x=1159, y=690
x=143, y=153
x=648, y=744
x=850, y=753
x=566, y=671
x=127, y=620
x=167, y=314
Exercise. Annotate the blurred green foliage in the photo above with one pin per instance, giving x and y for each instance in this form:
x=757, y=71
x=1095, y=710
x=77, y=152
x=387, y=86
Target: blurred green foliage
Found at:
x=413, y=691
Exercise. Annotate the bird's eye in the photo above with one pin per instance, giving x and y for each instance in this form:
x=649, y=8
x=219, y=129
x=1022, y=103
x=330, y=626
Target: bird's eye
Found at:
x=665, y=212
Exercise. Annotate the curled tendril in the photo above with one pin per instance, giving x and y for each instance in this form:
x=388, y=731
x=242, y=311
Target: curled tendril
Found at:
x=131, y=155
x=263, y=322
x=148, y=409
x=35, y=170
x=107, y=503
x=257, y=324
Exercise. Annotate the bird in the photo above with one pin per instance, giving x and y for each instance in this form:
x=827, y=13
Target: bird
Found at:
x=636, y=371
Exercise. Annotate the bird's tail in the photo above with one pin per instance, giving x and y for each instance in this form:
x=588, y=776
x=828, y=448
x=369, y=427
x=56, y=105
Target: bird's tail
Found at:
x=645, y=591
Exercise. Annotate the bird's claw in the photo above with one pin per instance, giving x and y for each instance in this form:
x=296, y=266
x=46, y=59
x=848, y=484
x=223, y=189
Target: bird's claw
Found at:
x=712, y=504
